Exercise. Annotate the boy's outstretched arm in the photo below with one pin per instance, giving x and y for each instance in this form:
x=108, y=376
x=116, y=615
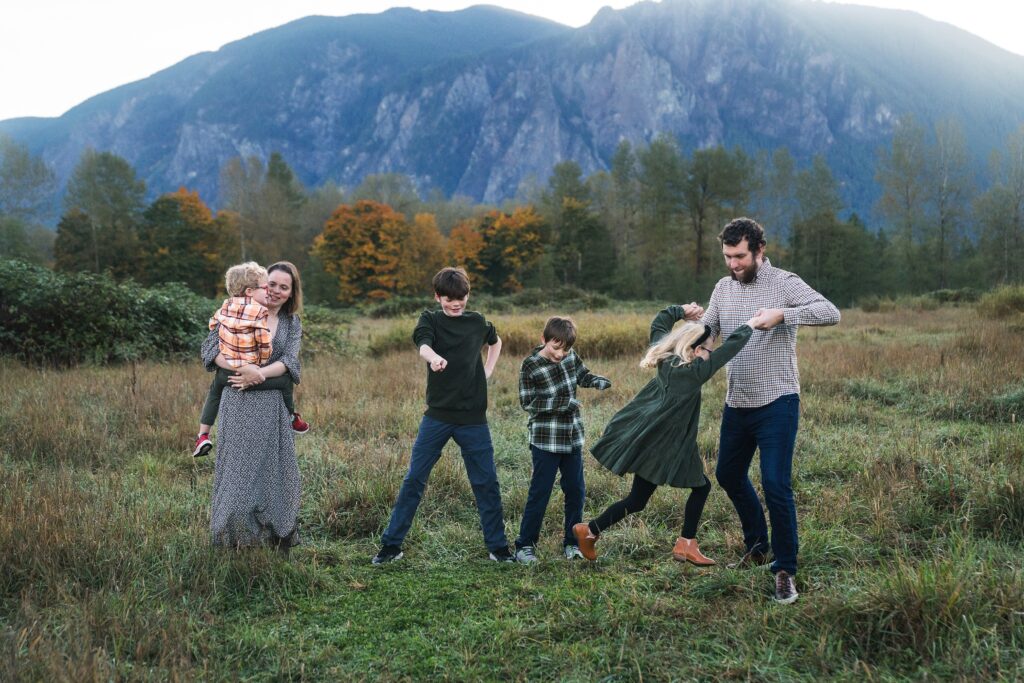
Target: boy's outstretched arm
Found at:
x=437, y=363
x=493, y=351
x=586, y=379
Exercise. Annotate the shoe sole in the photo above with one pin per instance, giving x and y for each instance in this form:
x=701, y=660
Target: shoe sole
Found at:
x=511, y=560
x=300, y=431
x=679, y=558
x=202, y=450
x=396, y=558
x=787, y=601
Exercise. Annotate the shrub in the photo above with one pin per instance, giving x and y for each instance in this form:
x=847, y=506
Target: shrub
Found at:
x=1003, y=302
x=66, y=319
x=400, y=306
x=326, y=331
x=955, y=296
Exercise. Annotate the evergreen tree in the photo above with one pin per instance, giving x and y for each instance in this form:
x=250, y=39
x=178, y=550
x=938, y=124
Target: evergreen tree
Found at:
x=26, y=183
x=713, y=180
x=181, y=242
x=901, y=174
x=104, y=188
x=948, y=193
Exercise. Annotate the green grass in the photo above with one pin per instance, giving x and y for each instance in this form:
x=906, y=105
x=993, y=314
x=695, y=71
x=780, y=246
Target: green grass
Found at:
x=909, y=479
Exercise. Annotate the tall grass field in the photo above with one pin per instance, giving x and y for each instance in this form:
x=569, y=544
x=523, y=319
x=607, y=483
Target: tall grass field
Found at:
x=909, y=481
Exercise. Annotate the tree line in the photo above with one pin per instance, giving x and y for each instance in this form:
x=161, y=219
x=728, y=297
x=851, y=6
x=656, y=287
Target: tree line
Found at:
x=644, y=229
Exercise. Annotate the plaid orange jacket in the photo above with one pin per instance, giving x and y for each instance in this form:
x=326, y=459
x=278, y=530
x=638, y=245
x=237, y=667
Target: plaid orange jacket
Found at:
x=244, y=332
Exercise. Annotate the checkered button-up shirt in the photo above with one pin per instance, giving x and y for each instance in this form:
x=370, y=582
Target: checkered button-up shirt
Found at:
x=244, y=331
x=766, y=368
x=547, y=391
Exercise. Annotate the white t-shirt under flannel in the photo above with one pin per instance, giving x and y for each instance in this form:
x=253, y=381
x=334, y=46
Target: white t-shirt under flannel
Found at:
x=766, y=368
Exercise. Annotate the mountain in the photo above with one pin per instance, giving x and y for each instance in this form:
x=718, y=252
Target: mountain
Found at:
x=476, y=101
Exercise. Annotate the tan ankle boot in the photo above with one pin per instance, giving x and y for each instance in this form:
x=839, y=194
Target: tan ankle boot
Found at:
x=686, y=550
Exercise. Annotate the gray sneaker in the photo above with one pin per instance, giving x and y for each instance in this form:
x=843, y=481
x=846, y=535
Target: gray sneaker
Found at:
x=785, y=588
x=572, y=552
x=527, y=555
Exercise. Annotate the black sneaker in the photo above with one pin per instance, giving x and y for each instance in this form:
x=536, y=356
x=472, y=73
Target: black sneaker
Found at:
x=752, y=558
x=785, y=588
x=388, y=553
x=502, y=555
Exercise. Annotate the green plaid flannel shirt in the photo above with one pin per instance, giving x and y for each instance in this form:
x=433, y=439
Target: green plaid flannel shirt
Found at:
x=547, y=391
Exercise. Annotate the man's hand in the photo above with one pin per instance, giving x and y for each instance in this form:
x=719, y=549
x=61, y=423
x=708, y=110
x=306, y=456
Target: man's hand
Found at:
x=437, y=364
x=767, y=318
x=692, y=311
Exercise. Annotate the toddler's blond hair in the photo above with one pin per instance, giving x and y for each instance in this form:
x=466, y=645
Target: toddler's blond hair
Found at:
x=244, y=276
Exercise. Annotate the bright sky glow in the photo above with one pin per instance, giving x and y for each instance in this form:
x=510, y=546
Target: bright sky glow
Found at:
x=56, y=53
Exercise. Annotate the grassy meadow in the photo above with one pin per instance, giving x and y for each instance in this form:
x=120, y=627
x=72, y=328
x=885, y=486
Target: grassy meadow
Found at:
x=909, y=478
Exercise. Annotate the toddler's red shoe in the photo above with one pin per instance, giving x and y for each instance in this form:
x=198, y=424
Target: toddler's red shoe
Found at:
x=203, y=445
x=299, y=426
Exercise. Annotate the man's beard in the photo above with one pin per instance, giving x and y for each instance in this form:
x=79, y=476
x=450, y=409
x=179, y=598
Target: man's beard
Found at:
x=747, y=275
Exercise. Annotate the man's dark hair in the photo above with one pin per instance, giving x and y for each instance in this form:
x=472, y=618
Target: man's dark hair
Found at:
x=452, y=283
x=561, y=330
x=739, y=229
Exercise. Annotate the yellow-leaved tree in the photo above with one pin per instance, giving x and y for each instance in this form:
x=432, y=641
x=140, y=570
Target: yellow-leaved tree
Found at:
x=361, y=245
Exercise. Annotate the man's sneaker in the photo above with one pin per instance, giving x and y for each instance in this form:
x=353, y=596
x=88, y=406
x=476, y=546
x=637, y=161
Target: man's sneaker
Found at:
x=586, y=540
x=203, y=445
x=572, y=552
x=388, y=553
x=503, y=555
x=525, y=555
x=299, y=426
x=785, y=588
x=752, y=558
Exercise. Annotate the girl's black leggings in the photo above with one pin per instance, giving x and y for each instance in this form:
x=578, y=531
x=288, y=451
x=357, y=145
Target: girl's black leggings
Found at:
x=637, y=500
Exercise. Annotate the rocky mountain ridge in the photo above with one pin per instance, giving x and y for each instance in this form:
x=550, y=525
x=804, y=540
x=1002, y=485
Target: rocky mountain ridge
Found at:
x=478, y=101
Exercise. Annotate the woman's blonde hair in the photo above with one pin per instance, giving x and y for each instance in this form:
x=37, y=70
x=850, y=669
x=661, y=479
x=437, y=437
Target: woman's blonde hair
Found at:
x=678, y=343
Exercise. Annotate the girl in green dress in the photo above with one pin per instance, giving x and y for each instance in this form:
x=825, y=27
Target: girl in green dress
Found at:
x=655, y=435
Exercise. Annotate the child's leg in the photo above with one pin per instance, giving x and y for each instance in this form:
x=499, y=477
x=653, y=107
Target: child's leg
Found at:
x=431, y=438
x=287, y=392
x=635, y=502
x=574, y=490
x=212, y=405
x=694, y=509
x=545, y=467
x=478, y=454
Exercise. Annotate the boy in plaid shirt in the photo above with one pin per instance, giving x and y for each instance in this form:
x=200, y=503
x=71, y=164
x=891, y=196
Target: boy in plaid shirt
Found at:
x=244, y=333
x=547, y=391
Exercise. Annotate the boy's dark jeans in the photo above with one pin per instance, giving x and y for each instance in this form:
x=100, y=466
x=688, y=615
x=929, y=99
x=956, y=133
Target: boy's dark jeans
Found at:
x=477, y=453
x=772, y=429
x=283, y=383
x=545, y=466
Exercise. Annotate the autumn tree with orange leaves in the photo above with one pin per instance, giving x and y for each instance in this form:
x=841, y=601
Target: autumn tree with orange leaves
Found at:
x=361, y=245
x=498, y=249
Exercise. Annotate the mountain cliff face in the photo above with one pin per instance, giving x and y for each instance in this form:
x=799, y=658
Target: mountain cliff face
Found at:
x=475, y=102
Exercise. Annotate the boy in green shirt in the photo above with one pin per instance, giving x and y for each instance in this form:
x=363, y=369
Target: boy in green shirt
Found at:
x=450, y=340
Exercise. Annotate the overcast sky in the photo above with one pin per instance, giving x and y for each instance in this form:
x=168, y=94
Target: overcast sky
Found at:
x=56, y=53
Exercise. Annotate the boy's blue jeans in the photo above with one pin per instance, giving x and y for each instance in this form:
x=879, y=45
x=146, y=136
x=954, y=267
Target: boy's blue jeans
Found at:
x=477, y=453
x=772, y=429
x=545, y=466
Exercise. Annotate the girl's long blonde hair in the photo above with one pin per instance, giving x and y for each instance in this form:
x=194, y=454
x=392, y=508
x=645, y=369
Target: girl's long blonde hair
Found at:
x=678, y=343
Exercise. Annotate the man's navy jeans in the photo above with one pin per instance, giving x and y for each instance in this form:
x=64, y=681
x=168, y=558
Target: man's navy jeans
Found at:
x=545, y=466
x=477, y=453
x=772, y=430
